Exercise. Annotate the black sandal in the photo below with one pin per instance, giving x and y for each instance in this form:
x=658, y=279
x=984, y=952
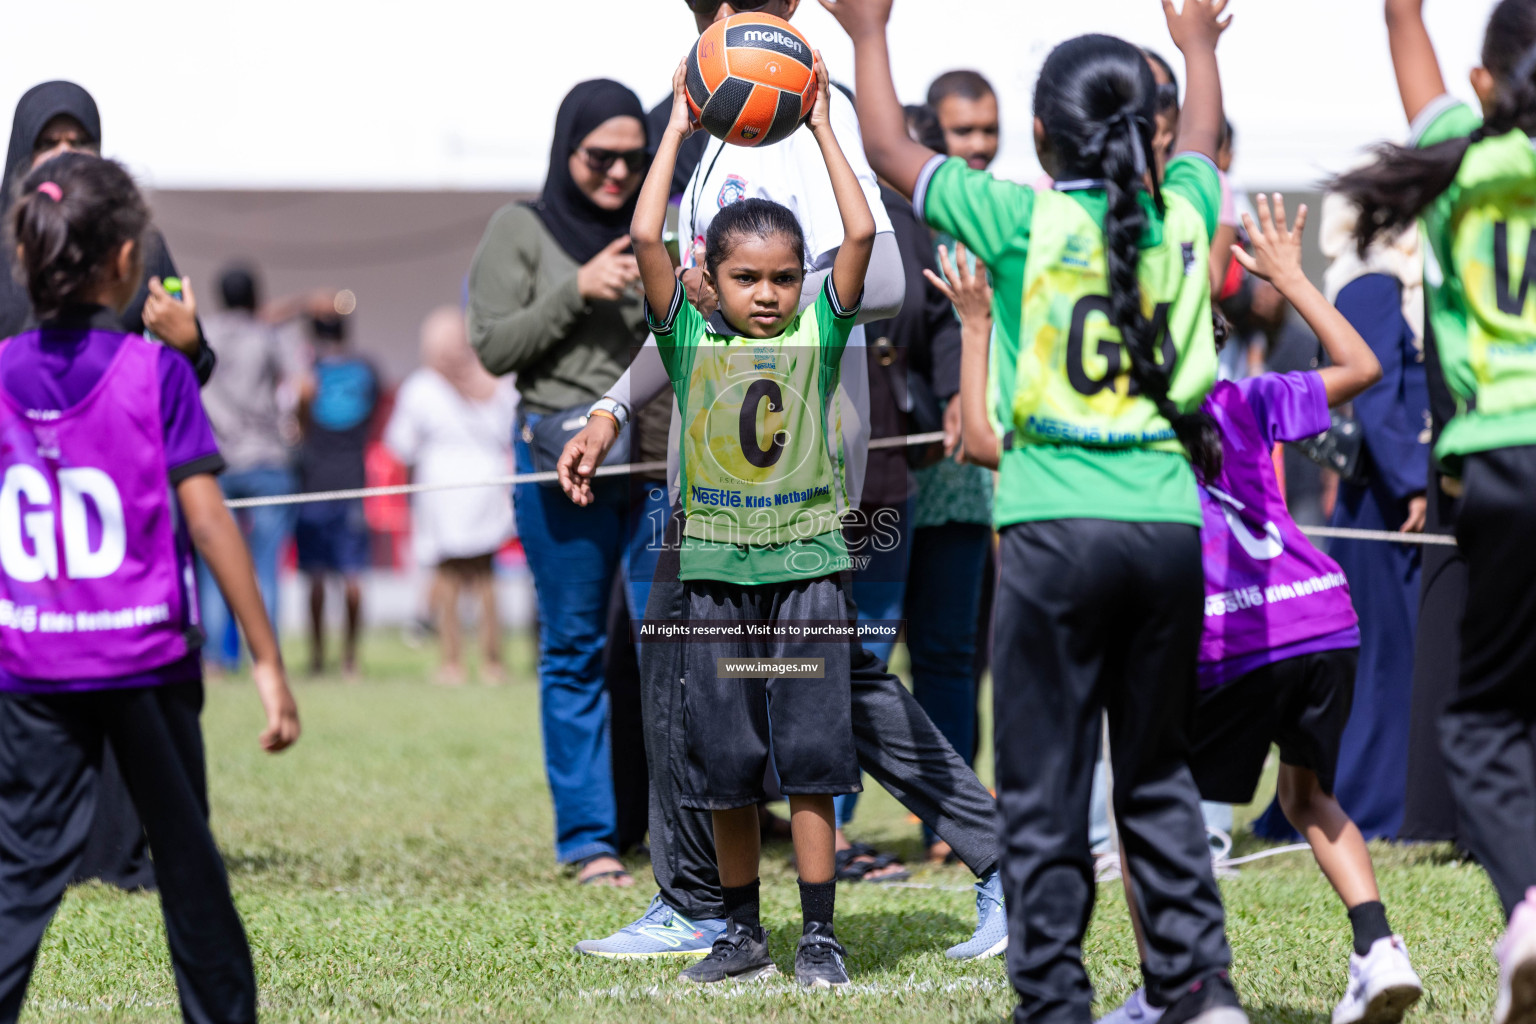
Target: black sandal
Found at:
x=855, y=863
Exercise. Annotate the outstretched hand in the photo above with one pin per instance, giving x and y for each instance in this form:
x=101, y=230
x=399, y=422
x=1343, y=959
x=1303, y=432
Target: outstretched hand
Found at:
x=860, y=17
x=1198, y=26
x=964, y=283
x=1276, y=255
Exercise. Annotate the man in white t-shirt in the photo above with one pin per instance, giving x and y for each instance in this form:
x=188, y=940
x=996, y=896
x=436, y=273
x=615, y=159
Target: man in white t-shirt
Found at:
x=895, y=740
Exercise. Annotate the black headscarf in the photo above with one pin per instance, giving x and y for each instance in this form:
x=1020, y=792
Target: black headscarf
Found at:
x=39, y=105
x=580, y=226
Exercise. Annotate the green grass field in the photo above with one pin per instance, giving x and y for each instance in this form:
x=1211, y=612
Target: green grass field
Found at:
x=396, y=866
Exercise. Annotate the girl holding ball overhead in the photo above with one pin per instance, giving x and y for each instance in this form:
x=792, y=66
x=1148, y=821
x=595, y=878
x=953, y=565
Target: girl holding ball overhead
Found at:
x=762, y=498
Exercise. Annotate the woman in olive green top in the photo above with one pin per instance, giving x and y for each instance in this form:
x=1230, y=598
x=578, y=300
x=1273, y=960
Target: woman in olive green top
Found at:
x=553, y=299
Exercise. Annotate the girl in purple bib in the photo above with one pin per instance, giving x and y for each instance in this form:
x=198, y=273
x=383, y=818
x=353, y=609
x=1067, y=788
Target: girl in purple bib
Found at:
x=107, y=467
x=1280, y=642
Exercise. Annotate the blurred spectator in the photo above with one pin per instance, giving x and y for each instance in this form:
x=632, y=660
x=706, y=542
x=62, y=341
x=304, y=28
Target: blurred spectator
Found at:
x=336, y=407
x=452, y=423
x=243, y=403
x=966, y=107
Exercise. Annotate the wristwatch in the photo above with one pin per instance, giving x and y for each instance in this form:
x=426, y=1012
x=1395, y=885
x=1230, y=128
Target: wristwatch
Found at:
x=613, y=407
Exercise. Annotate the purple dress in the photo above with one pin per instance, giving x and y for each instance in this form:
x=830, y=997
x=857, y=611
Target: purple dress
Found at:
x=1270, y=595
x=96, y=583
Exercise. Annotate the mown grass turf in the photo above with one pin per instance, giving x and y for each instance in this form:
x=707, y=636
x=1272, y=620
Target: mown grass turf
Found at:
x=396, y=866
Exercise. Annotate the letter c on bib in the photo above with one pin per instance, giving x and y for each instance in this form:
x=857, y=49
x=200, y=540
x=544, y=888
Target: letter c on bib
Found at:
x=1261, y=549
x=81, y=563
x=43, y=561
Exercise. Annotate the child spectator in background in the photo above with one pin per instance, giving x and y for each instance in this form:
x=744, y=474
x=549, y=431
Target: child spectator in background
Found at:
x=452, y=423
x=336, y=407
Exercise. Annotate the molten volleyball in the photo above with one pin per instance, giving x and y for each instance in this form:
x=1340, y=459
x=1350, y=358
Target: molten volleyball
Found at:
x=750, y=80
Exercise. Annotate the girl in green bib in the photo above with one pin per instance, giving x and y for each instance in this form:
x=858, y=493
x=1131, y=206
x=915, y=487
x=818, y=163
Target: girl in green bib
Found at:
x=768, y=632
x=1470, y=178
x=1102, y=354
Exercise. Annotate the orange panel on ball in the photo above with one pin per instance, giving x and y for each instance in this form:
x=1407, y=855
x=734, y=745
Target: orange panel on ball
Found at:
x=756, y=116
x=711, y=56
x=765, y=67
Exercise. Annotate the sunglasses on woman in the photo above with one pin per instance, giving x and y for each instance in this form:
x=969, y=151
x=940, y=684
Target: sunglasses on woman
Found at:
x=600, y=160
x=711, y=6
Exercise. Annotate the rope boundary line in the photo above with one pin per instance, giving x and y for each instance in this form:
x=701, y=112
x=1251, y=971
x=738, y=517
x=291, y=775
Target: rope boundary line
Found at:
x=627, y=468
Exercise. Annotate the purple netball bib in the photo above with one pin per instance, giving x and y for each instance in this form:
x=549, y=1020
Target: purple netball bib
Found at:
x=1266, y=587
x=91, y=582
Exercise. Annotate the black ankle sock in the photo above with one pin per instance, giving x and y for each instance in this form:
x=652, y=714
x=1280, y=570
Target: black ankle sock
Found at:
x=741, y=903
x=817, y=900
x=1369, y=921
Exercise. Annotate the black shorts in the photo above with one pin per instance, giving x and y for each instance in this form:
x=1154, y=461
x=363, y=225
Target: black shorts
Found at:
x=729, y=722
x=1300, y=703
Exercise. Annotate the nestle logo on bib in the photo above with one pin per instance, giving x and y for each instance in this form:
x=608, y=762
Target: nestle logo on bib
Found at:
x=774, y=38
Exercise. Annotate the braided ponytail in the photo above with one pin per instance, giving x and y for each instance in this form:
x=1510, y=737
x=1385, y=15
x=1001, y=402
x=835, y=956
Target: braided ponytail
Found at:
x=1127, y=148
x=1403, y=181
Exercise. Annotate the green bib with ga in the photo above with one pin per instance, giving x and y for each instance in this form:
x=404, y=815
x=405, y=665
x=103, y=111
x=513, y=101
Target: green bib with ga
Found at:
x=757, y=467
x=1492, y=235
x=1073, y=383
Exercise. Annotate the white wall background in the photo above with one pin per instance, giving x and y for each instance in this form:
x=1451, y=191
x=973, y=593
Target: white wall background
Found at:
x=462, y=93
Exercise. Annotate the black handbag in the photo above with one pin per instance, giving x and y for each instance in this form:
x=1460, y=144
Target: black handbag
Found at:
x=547, y=438
x=1340, y=448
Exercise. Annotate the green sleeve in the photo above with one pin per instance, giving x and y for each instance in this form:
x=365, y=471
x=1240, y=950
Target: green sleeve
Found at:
x=989, y=217
x=1444, y=119
x=1193, y=177
x=834, y=323
x=677, y=333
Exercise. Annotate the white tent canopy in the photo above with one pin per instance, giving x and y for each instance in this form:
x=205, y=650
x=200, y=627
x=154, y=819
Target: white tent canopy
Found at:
x=342, y=94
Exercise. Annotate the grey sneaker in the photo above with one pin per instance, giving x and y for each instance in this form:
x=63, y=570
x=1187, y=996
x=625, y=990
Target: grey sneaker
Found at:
x=660, y=931
x=819, y=958
x=740, y=954
x=991, y=935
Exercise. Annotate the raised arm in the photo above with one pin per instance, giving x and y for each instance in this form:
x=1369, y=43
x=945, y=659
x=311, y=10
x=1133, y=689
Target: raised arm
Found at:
x=891, y=151
x=965, y=283
x=1276, y=258
x=852, y=260
x=1419, y=80
x=656, y=272
x=1195, y=31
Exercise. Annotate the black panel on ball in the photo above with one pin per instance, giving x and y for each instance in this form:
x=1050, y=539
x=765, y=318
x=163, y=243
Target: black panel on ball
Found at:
x=786, y=119
x=724, y=107
x=697, y=90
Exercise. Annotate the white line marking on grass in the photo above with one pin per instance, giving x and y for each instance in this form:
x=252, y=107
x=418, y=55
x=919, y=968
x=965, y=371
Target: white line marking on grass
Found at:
x=911, y=986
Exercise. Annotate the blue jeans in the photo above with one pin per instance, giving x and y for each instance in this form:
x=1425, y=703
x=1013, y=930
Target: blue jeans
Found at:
x=265, y=531
x=573, y=553
x=882, y=534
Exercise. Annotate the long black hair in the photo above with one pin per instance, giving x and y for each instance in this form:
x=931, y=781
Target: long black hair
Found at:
x=70, y=216
x=1403, y=181
x=1097, y=101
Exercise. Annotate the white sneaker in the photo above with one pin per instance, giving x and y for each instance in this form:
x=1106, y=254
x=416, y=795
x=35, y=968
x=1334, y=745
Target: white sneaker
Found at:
x=1382, y=985
x=1517, y=966
x=1135, y=1010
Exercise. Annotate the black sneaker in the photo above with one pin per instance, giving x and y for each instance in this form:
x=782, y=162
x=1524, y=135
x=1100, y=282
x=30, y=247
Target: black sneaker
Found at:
x=819, y=959
x=739, y=954
x=1211, y=1000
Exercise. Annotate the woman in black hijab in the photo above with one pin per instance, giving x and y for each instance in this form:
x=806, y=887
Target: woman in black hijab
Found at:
x=58, y=117
x=552, y=298
x=54, y=118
